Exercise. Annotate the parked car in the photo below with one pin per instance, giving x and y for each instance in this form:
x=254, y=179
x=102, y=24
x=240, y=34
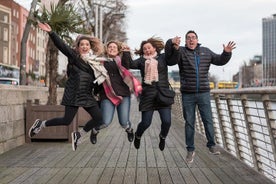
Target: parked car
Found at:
x=10, y=81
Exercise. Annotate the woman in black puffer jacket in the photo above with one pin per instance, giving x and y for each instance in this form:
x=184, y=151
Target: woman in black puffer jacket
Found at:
x=154, y=72
x=79, y=86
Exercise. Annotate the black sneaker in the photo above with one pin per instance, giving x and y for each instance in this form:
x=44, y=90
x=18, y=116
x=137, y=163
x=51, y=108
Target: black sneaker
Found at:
x=130, y=134
x=93, y=136
x=36, y=127
x=161, y=143
x=75, y=138
x=137, y=141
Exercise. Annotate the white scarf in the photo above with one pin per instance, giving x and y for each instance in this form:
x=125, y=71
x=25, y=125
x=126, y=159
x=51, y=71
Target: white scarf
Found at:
x=97, y=66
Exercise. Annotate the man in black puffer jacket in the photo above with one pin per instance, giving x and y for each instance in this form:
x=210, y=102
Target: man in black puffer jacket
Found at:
x=194, y=62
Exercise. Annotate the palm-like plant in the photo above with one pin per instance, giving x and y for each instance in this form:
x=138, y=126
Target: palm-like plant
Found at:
x=65, y=21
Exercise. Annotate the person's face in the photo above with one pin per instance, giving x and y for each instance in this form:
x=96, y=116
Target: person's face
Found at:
x=191, y=41
x=148, y=49
x=84, y=46
x=112, y=50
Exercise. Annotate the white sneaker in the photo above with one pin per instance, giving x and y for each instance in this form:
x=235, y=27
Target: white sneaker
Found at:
x=35, y=128
x=75, y=138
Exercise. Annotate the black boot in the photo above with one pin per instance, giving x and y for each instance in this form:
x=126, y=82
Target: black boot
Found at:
x=93, y=136
x=137, y=141
x=161, y=143
x=130, y=134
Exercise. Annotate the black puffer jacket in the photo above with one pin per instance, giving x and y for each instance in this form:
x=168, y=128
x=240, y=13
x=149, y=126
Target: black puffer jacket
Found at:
x=149, y=92
x=79, y=86
x=194, y=67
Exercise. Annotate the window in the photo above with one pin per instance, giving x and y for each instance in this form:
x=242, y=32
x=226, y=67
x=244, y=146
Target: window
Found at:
x=5, y=55
x=6, y=33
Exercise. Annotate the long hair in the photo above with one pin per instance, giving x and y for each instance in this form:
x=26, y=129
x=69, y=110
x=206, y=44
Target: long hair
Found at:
x=156, y=42
x=95, y=43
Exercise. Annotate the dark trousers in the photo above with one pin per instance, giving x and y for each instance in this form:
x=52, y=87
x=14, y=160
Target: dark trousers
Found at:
x=70, y=112
x=165, y=116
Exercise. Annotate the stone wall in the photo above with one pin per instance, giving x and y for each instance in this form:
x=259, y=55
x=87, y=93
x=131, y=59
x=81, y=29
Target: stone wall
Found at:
x=12, y=112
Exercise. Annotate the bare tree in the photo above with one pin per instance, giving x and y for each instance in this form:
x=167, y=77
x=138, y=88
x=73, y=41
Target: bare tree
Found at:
x=112, y=23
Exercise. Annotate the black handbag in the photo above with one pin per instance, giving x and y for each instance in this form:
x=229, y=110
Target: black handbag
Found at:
x=165, y=96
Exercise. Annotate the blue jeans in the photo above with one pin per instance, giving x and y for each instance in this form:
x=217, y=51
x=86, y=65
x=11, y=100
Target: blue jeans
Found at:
x=189, y=103
x=165, y=116
x=108, y=109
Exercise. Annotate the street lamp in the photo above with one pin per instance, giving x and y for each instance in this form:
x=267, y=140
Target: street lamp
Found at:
x=99, y=20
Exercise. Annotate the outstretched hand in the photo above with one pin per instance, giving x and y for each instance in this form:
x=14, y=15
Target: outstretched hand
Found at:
x=44, y=27
x=229, y=47
x=176, y=42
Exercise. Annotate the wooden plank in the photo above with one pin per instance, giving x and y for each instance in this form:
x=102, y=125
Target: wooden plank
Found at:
x=141, y=175
x=153, y=175
x=165, y=176
x=176, y=175
x=188, y=176
x=95, y=176
x=9, y=174
x=83, y=175
x=118, y=176
x=199, y=176
x=130, y=176
x=70, y=177
x=106, y=176
x=24, y=176
x=211, y=175
x=59, y=175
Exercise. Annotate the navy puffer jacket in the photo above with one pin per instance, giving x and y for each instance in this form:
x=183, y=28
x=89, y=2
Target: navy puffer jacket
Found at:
x=194, y=67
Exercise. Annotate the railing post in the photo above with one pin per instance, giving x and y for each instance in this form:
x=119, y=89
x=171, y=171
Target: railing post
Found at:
x=221, y=122
x=251, y=134
x=271, y=124
x=233, y=125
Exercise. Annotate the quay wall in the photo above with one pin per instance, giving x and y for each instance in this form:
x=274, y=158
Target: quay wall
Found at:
x=12, y=112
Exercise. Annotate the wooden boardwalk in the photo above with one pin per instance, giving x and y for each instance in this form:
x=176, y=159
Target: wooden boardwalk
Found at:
x=114, y=160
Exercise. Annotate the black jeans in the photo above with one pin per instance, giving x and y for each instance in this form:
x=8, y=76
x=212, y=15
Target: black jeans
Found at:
x=70, y=112
x=165, y=116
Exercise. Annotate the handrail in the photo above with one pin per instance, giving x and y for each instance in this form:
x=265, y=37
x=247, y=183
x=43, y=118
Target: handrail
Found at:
x=245, y=125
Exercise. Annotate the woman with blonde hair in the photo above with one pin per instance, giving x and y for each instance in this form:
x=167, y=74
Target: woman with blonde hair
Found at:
x=115, y=92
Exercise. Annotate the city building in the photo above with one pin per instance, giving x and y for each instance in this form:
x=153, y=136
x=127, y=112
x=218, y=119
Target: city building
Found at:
x=269, y=50
x=13, y=18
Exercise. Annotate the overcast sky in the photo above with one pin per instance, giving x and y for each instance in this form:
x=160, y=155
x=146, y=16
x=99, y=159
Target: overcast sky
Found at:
x=215, y=21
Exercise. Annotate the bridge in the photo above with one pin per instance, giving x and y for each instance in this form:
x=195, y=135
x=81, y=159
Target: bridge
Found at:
x=247, y=152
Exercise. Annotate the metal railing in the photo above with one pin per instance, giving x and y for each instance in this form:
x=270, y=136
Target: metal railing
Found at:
x=245, y=125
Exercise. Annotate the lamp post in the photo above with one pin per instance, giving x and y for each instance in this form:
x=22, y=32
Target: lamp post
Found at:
x=99, y=21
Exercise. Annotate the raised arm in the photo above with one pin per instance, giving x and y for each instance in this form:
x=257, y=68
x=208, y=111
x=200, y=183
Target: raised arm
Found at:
x=59, y=43
x=172, y=54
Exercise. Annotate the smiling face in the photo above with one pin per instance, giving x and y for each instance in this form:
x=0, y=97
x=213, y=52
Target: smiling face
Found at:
x=84, y=46
x=148, y=49
x=112, y=50
x=191, y=41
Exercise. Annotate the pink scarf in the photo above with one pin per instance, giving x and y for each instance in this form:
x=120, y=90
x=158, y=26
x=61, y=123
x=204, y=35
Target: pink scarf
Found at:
x=151, y=69
x=133, y=84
